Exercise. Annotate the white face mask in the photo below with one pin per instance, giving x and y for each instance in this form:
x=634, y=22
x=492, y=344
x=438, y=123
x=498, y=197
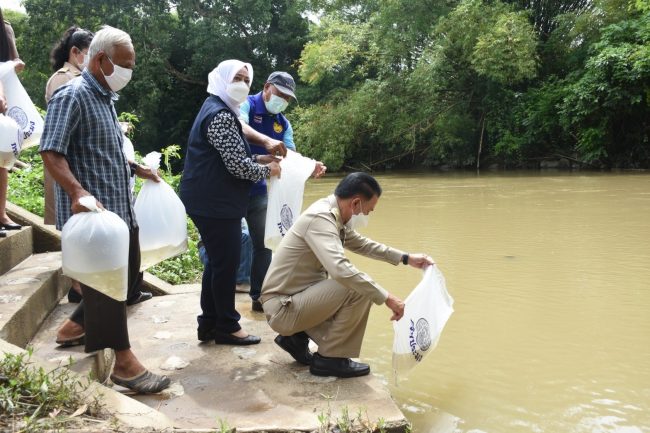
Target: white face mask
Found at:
x=238, y=91
x=119, y=78
x=84, y=63
x=358, y=221
x=276, y=104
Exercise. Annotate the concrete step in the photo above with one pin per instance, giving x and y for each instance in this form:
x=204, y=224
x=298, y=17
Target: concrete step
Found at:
x=46, y=237
x=97, y=364
x=28, y=293
x=15, y=248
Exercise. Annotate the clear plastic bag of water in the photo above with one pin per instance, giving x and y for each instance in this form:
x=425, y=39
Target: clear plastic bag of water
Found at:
x=95, y=249
x=161, y=218
x=426, y=312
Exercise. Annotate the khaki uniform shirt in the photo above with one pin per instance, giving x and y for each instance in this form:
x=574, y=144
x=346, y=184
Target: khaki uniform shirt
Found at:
x=312, y=250
x=59, y=78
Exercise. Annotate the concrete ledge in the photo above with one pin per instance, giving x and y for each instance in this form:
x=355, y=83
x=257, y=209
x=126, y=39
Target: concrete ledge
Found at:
x=97, y=364
x=128, y=412
x=155, y=285
x=46, y=237
x=180, y=289
x=15, y=248
x=28, y=293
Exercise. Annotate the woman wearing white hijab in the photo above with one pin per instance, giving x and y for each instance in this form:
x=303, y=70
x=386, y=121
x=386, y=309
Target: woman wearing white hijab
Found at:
x=218, y=175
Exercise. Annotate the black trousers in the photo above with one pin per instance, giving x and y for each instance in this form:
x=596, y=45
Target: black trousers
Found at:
x=104, y=318
x=222, y=241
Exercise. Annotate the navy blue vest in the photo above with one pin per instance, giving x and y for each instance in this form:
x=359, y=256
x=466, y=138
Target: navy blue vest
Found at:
x=207, y=189
x=271, y=125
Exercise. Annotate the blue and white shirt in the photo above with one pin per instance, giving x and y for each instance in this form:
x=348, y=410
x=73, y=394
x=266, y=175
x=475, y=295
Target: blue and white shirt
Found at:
x=81, y=124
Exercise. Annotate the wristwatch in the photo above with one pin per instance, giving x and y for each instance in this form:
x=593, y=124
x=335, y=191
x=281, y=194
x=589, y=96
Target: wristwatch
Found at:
x=405, y=259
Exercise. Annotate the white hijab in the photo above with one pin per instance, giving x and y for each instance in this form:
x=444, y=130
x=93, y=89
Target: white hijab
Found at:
x=223, y=75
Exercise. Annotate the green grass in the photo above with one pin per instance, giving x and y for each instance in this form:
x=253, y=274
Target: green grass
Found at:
x=32, y=400
x=347, y=423
x=26, y=185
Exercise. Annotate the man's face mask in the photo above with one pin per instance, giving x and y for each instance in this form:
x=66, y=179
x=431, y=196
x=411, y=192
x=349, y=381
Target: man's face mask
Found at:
x=119, y=78
x=359, y=220
x=276, y=104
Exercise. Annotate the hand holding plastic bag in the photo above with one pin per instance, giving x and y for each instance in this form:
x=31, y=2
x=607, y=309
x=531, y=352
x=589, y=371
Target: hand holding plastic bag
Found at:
x=426, y=312
x=11, y=139
x=285, y=197
x=95, y=249
x=21, y=108
x=161, y=218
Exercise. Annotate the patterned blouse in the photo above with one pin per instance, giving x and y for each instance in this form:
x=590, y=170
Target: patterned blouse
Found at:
x=223, y=134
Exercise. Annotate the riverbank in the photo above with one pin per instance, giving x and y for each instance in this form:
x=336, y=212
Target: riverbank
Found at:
x=217, y=387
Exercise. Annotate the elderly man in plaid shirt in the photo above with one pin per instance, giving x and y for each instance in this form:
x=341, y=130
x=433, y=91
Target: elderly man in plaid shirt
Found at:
x=81, y=146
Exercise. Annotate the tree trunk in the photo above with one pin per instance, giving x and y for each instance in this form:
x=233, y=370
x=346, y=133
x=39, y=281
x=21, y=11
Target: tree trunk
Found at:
x=480, y=143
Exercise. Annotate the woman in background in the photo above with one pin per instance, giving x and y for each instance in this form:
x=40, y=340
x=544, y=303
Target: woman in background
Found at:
x=68, y=58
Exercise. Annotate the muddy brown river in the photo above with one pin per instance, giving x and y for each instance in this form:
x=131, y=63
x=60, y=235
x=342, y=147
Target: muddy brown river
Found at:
x=550, y=273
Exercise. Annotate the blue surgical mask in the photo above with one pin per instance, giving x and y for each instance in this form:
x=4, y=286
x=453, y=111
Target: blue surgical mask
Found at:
x=276, y=104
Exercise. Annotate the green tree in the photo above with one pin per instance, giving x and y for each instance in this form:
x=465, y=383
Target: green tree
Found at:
x=607, y=104
x=428, y=98
x=177, y=43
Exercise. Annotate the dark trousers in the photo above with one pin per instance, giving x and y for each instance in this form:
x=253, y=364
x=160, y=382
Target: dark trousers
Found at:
x=222, y=241
x=104, y=318
x=256, y=219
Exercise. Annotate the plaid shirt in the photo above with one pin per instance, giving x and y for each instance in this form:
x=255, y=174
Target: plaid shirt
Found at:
x=81, y=124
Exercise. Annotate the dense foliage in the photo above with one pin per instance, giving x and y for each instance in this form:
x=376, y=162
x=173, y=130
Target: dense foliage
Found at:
x=474, y=82
x=391, y=83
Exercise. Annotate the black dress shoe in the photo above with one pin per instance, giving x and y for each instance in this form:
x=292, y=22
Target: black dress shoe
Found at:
x=139, y=297
x=10, y=226
x=256, y=305
x=73, y=296
x=339, y=367
x=297, y=345
x=225, y=338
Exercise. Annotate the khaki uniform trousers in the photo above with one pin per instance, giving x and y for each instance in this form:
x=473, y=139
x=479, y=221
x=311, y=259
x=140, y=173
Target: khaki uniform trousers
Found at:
x=334, y=316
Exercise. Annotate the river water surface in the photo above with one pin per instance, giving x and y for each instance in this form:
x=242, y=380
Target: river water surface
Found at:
x=551, y=279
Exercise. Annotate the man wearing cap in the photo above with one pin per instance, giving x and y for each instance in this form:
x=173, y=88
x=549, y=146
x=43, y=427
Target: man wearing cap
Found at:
x=264, y=126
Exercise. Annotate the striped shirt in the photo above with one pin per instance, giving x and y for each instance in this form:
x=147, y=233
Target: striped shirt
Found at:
x=82, y=125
